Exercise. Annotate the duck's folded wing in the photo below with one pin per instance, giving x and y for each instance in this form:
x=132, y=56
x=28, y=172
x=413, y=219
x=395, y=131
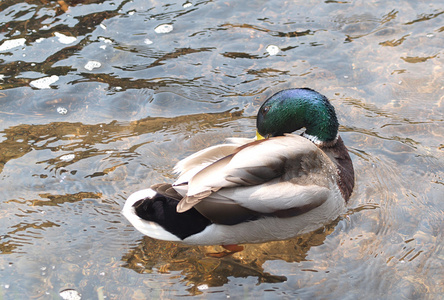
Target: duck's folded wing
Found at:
x=268, y=170
x=280, y=200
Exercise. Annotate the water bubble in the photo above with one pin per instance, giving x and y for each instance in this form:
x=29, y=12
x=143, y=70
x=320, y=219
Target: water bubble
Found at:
x=44, y=83
x=9, y=44
x=164, y=28
x=62, y=110
x=187, y=4
x=148, y=41
x=202, y=287
x=62, y=175
x=430, y=35
x=64, y=39
x=92, y=64
x=102, y=26
x=273, y=49
x=67, y=157
x=106, y=41
x=70, y=294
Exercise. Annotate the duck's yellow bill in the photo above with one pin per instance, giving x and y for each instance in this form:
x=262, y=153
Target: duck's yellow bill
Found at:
x=259, y=137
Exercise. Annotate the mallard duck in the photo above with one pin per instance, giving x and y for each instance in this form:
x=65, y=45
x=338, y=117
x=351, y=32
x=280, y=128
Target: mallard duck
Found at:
x=273, y=187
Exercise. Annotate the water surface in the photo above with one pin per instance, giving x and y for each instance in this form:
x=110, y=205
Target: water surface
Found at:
x=131, y=87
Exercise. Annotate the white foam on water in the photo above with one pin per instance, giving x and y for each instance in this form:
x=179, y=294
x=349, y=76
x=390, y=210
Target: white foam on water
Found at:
x=164, y=28
x=92, y=64
x=64, y=39
x=10, y=44
x=273, y=49
x=44, y=83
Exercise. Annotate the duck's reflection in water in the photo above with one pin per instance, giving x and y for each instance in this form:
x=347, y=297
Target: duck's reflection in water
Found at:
x=198, y=268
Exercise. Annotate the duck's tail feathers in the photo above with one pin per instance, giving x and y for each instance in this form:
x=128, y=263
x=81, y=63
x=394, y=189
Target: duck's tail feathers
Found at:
x=154, y=213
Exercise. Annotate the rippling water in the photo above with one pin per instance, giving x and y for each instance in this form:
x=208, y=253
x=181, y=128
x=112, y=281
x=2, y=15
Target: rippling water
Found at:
x=99, y=99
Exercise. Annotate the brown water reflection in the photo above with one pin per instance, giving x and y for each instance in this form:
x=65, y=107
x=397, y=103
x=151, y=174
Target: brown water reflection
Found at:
x=158, y=97
x=200, y=271
x=21, y=139
x=72, y=144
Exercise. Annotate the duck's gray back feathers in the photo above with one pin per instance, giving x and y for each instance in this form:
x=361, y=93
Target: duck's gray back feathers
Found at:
x=282, y=176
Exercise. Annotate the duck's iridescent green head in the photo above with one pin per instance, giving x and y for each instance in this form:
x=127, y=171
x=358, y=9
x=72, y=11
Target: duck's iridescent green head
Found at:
x=293, y=109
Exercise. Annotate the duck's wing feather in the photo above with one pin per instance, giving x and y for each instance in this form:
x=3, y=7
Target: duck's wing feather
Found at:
x=280, y=200
x=192, y=164
x=267, y=176
x=240, y=141
x=167, y=190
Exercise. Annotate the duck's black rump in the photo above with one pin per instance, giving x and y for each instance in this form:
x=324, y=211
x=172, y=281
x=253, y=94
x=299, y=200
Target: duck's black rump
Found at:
x=161, y=209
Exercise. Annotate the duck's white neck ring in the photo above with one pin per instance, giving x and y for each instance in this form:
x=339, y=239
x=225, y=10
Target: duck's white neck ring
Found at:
x=318, y=142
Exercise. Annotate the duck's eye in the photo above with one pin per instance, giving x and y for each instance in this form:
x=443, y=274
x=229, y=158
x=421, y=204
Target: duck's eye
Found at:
x=265, y=110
